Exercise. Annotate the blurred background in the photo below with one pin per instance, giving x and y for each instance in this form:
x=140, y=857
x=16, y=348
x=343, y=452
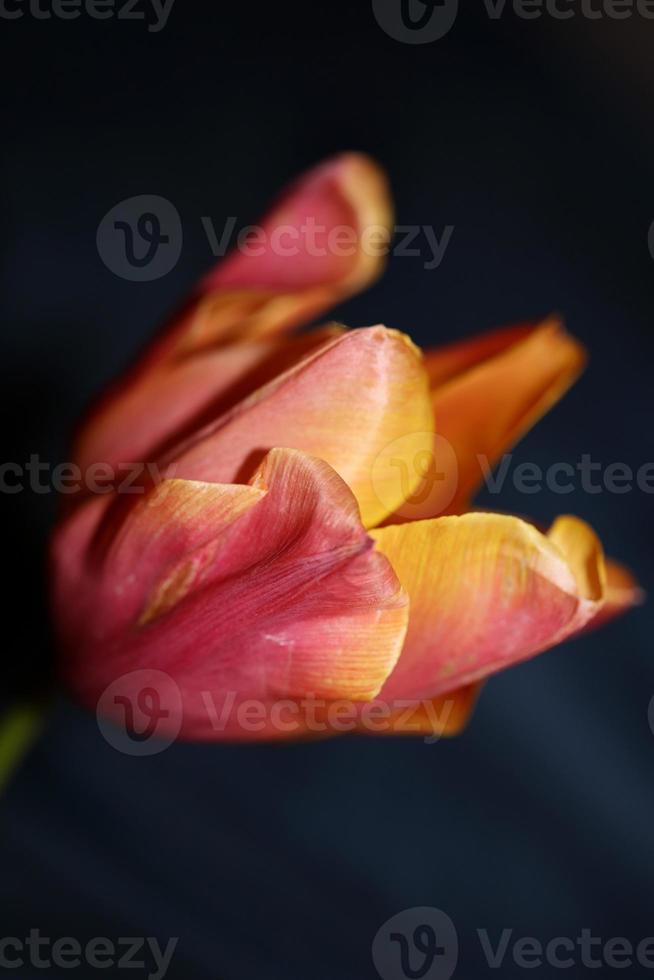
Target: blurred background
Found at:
x=534, y=140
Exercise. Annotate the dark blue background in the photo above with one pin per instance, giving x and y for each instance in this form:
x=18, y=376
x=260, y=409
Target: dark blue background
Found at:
x=532, y=138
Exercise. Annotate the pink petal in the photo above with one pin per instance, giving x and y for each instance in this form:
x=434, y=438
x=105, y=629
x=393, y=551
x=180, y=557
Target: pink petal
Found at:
x=248, y=297
x=273, y=593
x=361, y=402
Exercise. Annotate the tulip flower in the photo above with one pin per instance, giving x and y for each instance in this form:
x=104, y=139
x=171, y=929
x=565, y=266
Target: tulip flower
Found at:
x=307, y=535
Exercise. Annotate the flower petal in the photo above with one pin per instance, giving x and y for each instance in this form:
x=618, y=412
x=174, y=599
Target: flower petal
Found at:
x=326, y=219
x=119, y=557
x=250, y=296
x=361, y=402
x=432, y=717
x=297, y=274
x=487, y=591
x=171, y=403
x=487, y=392
x=288, y=598
x=622, y=594
x=583, y=552
x=452, y=360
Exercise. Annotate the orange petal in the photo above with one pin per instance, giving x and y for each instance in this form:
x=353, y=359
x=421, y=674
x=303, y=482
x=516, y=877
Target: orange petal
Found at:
x=622, y=594
x=429, y=718
x=451, y=360
x=433, y=717
x=487, y=591
x=487, y=392
x=361, y=402
x=259, y=592
x=583, y=552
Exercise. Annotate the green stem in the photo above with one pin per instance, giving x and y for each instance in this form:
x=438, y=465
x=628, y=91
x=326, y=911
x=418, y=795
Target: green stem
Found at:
x=19, y=728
